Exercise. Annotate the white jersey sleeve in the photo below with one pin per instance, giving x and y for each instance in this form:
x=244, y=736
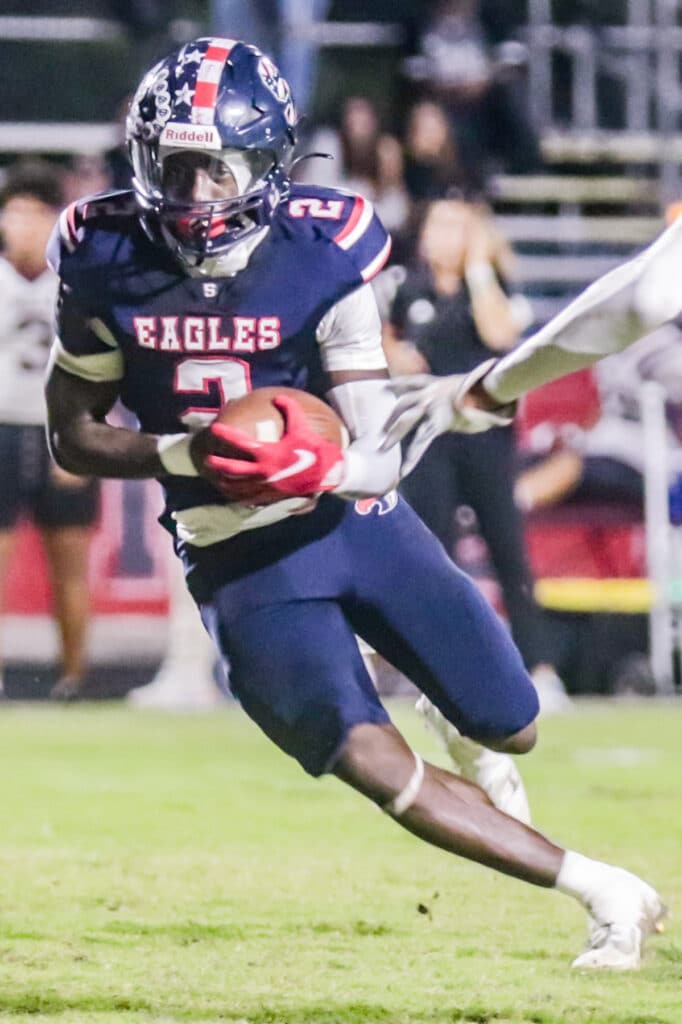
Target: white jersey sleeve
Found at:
x=349, y=335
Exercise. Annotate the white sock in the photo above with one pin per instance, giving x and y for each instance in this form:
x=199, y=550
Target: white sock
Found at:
x=580, y=877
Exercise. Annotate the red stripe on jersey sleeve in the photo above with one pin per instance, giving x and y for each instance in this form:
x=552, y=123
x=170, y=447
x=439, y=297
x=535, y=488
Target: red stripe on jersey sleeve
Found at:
x=356, y=214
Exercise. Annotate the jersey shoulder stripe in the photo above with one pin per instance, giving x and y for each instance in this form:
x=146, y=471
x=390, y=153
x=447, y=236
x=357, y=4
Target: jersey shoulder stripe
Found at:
x=359, y=221
x=346, y=219
x=106, y=211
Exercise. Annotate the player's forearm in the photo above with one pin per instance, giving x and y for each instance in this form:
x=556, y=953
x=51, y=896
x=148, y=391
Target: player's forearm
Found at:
x=368, y=473
x=611, y=314
x=364, y=406
x=91, y=448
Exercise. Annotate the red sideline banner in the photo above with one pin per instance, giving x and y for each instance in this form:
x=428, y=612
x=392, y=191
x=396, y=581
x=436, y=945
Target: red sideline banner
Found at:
x=128, y=558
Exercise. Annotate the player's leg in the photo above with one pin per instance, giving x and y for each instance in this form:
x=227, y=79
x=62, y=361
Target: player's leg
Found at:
x=433, y=490
x=65, y=508
x=298, y=673
x=11, y=502
x=430, y=620
x=67, y=555
x=496, y=773
x=448, y=812
x=7, y=538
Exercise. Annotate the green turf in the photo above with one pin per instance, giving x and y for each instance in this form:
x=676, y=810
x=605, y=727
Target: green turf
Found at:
x=166, y=868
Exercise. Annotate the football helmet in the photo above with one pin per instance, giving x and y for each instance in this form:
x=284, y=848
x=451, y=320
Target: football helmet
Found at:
x=211, y=132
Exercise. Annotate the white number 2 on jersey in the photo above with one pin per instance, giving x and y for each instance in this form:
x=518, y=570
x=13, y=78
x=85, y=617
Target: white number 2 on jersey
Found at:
x=195, y=376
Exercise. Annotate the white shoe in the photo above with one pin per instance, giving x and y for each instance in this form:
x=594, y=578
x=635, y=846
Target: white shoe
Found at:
x=551, y=691
x=495, y=773
x=621, y=918
x=173, y=691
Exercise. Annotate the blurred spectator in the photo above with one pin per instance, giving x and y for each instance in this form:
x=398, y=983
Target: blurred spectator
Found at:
x=63, y=507
x=432, y=165
x=451, y=313
x=365, y=160
x=85, y=175
x=480, y=85
x=604, y=461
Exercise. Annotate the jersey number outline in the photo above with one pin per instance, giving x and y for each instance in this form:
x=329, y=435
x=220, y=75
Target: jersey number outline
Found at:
x=327, y=209
x=232, y=377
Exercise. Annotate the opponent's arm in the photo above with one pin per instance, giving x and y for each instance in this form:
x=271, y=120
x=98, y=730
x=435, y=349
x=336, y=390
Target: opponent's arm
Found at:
x=617, y=310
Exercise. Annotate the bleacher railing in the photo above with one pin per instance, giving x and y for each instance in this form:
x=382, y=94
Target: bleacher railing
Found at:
x=643, y=56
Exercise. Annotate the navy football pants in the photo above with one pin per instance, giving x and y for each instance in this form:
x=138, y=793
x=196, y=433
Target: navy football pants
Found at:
x=288, y=631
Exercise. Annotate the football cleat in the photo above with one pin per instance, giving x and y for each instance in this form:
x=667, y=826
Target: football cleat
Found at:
x=551, y=691
x=495, y=773
x=621, y=918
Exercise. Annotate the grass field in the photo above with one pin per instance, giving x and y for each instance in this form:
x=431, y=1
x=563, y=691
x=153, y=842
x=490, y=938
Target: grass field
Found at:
x=161, y=868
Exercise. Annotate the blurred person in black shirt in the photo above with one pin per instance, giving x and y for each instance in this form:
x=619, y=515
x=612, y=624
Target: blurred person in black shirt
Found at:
x=453, y=312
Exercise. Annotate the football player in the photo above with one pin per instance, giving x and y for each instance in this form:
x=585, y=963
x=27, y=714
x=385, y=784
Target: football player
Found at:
x=216, y=275
x=62, y=506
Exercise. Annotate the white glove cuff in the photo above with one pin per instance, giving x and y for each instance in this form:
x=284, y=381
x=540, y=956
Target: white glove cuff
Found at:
x=500, y=417
x=368, y=473
x=174, y=454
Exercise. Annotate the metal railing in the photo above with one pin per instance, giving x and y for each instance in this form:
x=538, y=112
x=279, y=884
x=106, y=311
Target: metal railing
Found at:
x=643, y=56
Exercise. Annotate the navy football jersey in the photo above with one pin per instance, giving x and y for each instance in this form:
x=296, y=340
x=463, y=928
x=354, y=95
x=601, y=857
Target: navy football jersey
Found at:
x=180, y=346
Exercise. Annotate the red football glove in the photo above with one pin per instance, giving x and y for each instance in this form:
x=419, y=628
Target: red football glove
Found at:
x=300, y=464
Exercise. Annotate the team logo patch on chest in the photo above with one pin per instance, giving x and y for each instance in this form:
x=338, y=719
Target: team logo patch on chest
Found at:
x=208, y=333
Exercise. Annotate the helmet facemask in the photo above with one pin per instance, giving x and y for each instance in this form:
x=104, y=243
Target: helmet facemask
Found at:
x=203, y=202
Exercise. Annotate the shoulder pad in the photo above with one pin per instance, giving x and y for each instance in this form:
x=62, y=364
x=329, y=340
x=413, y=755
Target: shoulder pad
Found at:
x=105, y=210
x=348, y=220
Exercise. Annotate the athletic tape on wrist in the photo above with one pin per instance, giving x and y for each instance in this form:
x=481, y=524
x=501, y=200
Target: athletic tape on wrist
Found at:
x=174, y=453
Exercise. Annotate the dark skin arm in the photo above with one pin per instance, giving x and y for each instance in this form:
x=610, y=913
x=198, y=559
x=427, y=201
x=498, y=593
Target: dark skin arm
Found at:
x=82, y=441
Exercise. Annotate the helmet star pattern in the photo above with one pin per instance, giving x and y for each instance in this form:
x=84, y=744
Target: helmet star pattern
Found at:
x=184, y=95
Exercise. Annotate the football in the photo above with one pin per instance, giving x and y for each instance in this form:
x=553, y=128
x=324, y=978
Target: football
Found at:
x=255, y=414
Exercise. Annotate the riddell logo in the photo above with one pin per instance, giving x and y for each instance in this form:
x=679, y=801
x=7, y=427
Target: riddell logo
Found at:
x=187, y=135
